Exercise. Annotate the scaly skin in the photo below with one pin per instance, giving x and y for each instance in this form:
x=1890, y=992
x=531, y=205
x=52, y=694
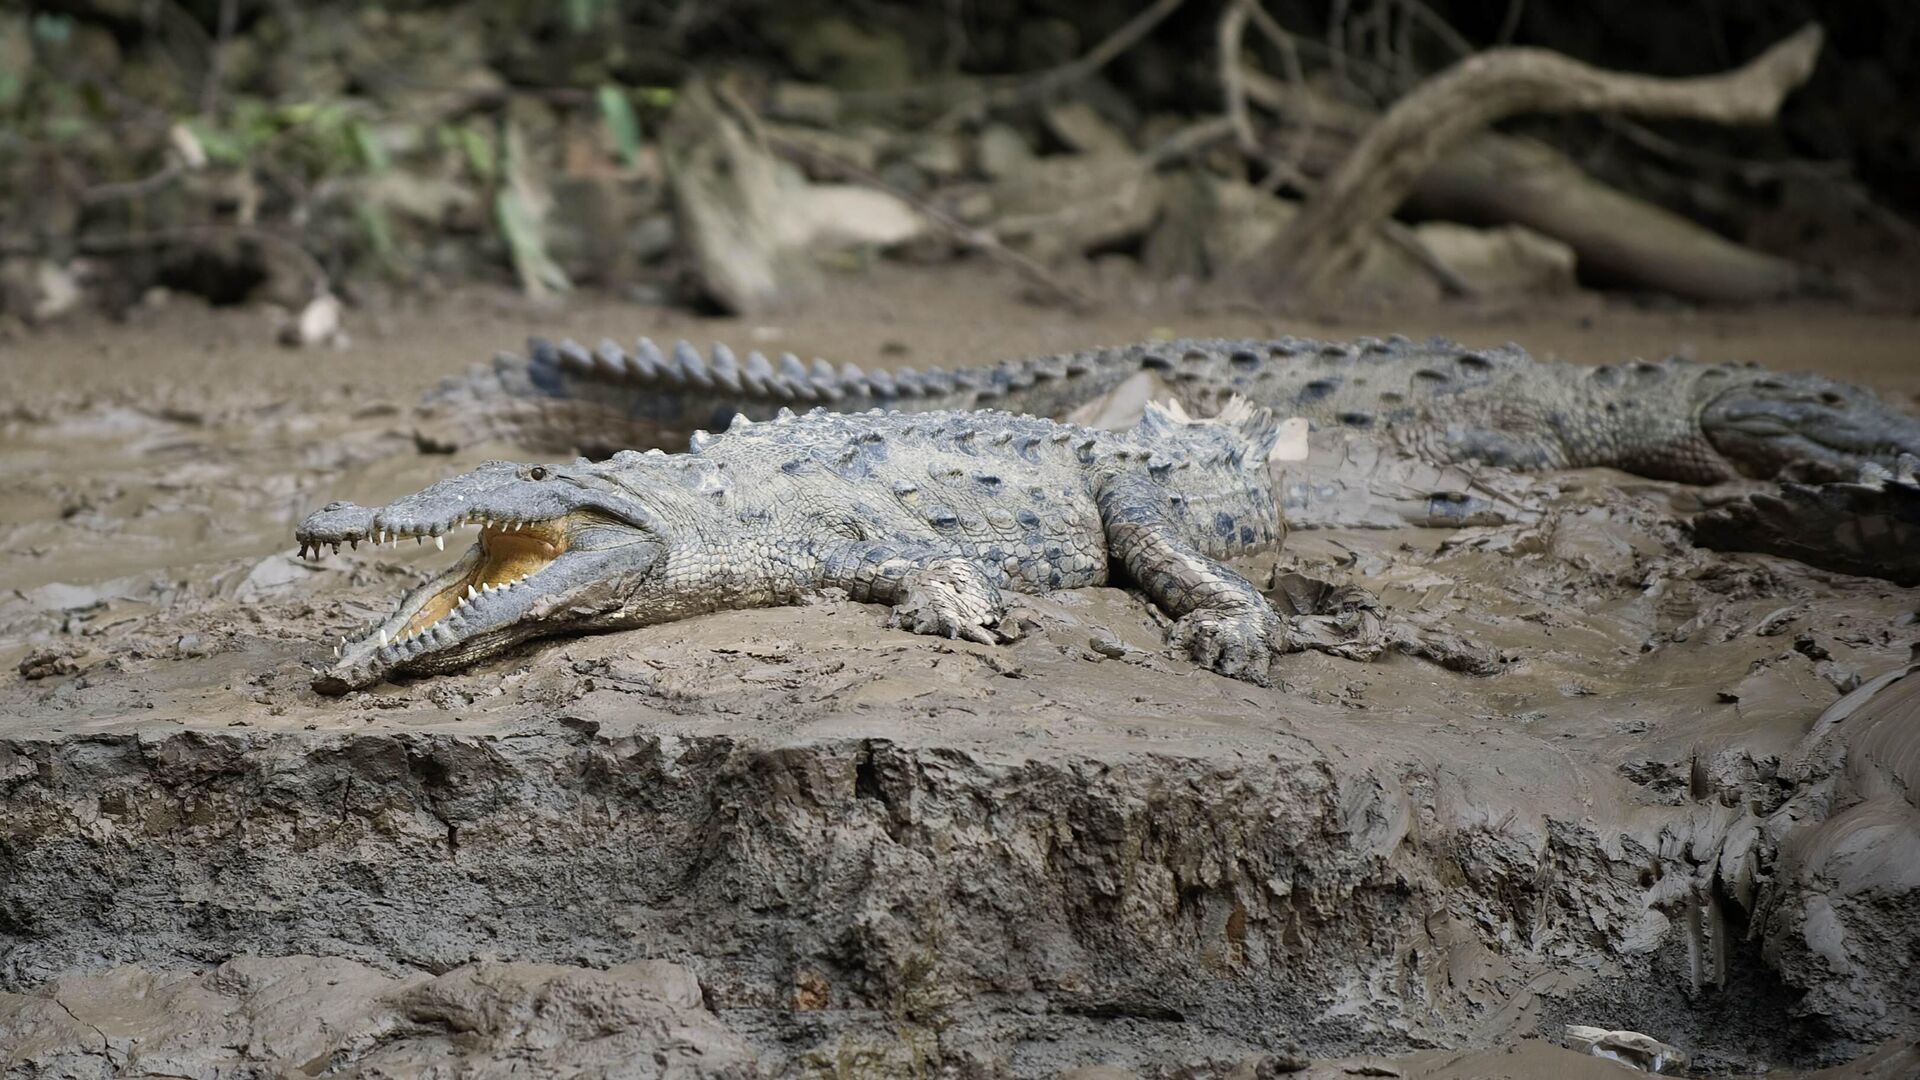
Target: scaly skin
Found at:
x=1437, y=401
x=1870, y=526
x=937, y=515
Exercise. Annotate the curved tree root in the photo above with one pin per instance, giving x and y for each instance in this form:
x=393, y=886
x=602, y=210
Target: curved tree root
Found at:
x=1320, y=248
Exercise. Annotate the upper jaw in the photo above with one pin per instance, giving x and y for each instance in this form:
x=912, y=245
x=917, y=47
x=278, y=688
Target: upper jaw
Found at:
x=479, y=605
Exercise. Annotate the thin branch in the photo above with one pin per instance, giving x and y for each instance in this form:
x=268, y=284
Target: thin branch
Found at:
x=1337, y=45
x=1295, y=73
x=1033, y=87
x=1233, y=86
x=132, y=189
x=1510, y=24
x=1441, y=28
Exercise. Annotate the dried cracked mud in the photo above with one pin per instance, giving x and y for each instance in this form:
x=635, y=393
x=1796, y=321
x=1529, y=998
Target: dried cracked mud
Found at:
x=794, y=842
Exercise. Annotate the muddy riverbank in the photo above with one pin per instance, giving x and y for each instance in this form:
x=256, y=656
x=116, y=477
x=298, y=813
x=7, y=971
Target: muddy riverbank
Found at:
x=798, y=842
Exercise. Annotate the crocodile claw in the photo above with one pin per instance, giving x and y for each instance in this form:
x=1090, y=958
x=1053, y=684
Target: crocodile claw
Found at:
x=954, y=599
x=1239, y=645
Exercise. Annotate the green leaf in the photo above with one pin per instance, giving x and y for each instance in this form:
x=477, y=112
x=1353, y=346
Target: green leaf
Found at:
x=477, y=148
x=617, y=111
x=223, y=147
x=52, y=29
x=373, y=222
x=367, y=146
x=539, y=275
x=582, y=14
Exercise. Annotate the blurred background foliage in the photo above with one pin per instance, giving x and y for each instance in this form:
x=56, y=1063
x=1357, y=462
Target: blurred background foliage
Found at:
x=249, y=149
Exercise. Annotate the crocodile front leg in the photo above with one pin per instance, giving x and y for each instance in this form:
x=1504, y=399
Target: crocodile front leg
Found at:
x=932, y=591
x=1221, y=619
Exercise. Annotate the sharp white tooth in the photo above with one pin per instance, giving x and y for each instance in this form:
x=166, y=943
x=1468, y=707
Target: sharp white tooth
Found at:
x=486, y=586
x=383, y=635
x=440, y=542
x=470, y=593
x=336, y=652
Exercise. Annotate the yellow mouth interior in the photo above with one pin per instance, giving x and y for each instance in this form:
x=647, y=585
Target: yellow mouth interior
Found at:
x=506, y=556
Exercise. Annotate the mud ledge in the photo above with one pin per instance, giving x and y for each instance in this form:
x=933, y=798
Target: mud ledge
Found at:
x=1174, y=867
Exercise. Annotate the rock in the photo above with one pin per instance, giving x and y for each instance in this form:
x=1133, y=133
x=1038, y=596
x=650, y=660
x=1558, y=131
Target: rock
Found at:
x=1084, y=131
x=1107, y=645
x=941, y=157
x=1001, y=153
x=751, y=224
x=1070, y=203
x=1212, y=225
x=1629, y=1048
x=41, y=290
x=728, y=191
x=843, y=216
x=316, y=324
x=66, y=658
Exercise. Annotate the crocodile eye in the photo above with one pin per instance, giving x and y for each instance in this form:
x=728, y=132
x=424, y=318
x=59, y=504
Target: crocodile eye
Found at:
x=537, y=473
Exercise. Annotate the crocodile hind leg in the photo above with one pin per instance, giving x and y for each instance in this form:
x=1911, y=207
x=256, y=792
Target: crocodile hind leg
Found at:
x=932, y=591
x=1221, y=619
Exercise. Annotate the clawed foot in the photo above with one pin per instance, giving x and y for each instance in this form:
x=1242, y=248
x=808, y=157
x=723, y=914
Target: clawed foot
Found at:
x=952, y=598
x=1237, y=644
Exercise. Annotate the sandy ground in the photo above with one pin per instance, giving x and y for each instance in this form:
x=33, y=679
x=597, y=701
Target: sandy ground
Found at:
x=151, y=472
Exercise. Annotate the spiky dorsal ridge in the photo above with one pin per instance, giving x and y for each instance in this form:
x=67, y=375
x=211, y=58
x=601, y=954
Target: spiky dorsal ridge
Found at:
x=1265, y=435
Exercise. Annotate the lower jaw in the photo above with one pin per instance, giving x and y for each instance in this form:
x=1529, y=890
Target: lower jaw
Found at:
x=343, y=678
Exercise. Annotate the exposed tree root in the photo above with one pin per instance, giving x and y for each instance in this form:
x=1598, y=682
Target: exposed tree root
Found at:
x=1324, y=243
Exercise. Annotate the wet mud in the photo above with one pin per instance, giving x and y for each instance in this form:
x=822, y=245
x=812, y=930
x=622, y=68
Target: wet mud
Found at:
x=795, y=842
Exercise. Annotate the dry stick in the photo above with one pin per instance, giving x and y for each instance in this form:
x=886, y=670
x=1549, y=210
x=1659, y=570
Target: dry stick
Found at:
x=1510, y=23
x=966, y=235
x=1231, y=28
x=1039, y=86
x=1295, y=73
x=1323, y=243
x=1233, y=86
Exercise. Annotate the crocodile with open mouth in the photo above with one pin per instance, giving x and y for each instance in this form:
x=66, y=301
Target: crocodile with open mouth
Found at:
x=936, y=514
